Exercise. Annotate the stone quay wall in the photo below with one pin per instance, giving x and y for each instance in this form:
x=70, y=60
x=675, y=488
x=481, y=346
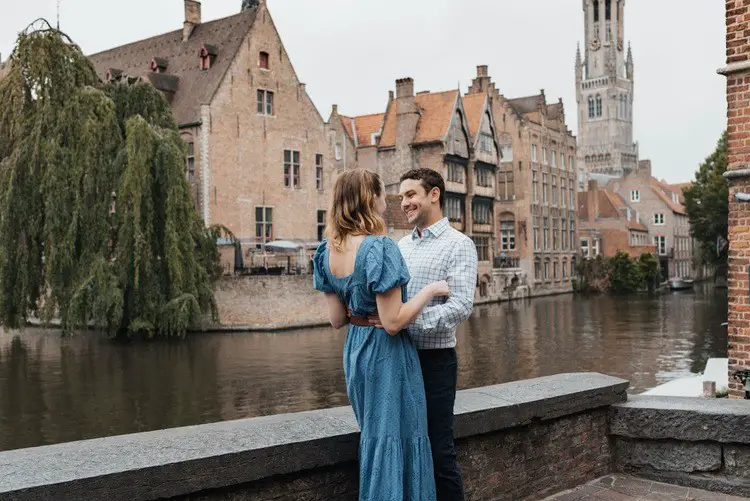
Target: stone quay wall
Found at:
x=693, y=442
x=516, y=441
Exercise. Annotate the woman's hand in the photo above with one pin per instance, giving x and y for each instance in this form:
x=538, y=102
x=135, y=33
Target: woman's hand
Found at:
x=440, y=288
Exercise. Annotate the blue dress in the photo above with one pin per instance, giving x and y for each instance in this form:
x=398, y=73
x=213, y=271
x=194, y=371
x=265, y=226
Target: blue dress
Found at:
x=383, y=379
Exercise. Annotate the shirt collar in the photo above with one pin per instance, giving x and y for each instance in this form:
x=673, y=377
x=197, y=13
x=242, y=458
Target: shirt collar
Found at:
x=435, y=230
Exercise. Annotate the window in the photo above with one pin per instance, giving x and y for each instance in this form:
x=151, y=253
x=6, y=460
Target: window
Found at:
x=486, y=142
x=544, y=156
x=536, y=232
x=608, y=10
x=484, y=177
x=554, y=190
x=265, y=102
x=555, y=233
x=482, y=213
x=263, y=224
x=319, y=172
x=598, y=106
x=506, y=150
x=592, y=112
x=562, y=161
x=573, y=267
x=659, y=219
x=571, y=165
x=535, y=185
x=554, y=159
x=263, y=61
x=661, y=245
x=563, y=190
x=190, y=161
x=635, y=196
x=545, y=232
x=581, y=178
x=337, y=151
x=455, y=173
x=546, y=270
x=564, y=268
x=537, y=271
x=596, y=11
x=483, y=248
x=291, y=169
x=321, y=225
x=572, y=231
x=555, y=267
x=454, y=209
x=533, y=153
x=595, y=247
x=544, y=187
x=585, y=247
x=572, y=196
x=507, y=235
x=564, y=234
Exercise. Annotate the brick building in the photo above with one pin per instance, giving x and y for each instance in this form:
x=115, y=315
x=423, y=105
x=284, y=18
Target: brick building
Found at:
x=259, y=155
x=607, y=225
x=737, y=71
x=535, y=208
x=659, y=206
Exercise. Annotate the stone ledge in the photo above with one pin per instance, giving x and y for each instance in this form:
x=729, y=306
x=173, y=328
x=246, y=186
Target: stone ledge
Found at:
x=681, y=418
x=181, y=461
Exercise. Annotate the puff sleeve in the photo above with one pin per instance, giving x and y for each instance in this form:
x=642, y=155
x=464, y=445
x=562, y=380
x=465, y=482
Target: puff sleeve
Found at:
x=320, y=277
x=385, y=267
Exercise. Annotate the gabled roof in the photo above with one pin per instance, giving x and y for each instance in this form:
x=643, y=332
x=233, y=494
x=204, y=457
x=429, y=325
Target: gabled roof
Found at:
x=436, y=111
x=611, y=206
x=665, y=194
x=554, y=111
x=394, y=216
x=474, y=106
x=367, y=125
x=195, y=87
x=524, y=105
x=348, y=124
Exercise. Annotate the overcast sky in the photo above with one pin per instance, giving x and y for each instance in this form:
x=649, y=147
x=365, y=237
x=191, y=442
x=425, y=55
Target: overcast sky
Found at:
x=350, y=52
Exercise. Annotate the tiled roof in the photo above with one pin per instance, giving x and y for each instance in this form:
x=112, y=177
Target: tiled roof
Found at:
x=435, y=118
x=394, y=216
x=195, y=86
x=524, y=105
x=367, y=125
x=474, y=106
x=665, y=194
x=348, y=124
x=611, y=206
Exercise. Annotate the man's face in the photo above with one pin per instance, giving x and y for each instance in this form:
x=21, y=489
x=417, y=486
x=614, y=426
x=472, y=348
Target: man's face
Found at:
x=415, y=201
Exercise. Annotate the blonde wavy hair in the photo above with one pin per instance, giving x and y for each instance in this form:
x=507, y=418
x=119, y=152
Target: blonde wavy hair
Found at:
x=353, y=210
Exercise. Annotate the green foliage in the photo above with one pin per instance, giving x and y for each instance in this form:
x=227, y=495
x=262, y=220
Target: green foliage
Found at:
x=619, y=275
x=97, y=226
x=707, y=203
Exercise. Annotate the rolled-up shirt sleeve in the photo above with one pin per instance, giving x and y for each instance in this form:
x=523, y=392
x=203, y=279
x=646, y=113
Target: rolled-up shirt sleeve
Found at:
x=444, y=318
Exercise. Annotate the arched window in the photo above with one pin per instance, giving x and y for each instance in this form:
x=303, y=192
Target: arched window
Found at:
x=591, y=106
x=598, y=105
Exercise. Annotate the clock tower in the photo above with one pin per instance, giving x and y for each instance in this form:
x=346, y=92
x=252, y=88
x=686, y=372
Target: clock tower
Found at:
x=604, y=91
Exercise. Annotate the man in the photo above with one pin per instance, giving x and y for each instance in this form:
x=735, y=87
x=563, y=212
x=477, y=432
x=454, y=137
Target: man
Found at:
x=435, y=251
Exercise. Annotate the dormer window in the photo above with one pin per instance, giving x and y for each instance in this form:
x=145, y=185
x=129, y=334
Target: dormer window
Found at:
x=208, y=56
x=159, y=65
x=113, y=75
x=263, y=62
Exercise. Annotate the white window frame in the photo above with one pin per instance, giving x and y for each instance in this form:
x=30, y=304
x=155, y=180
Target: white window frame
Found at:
x=585, y=250
x=635, y=196
x=659, y=219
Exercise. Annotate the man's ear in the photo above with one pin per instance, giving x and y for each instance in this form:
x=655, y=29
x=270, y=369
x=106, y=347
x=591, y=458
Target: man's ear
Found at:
x=435, y=195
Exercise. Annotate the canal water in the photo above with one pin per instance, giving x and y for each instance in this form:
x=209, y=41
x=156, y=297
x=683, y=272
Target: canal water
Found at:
x=55, y=389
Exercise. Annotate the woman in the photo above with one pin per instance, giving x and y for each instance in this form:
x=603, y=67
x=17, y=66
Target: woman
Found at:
x=361, y=271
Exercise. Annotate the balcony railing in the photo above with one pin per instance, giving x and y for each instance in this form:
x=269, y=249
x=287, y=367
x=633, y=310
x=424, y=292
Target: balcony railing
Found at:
x=506, y=262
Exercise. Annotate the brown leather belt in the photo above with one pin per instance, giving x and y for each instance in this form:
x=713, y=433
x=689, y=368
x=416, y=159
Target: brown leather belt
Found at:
x=360, y=322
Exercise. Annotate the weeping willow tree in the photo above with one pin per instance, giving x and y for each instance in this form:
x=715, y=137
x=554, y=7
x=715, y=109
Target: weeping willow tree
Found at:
x=97, y=226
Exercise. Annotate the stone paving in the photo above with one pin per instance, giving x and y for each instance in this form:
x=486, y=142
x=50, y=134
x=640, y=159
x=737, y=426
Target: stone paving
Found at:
x=625, y=488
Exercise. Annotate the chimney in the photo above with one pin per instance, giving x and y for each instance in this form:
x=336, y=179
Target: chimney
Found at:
x=593, y=201
x=644, y=167
x=335, y=110
x=390, y=96
x=192, y=18
x=482, y=71
x=404, y=88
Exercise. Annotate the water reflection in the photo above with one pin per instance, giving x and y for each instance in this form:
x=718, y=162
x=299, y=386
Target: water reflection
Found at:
x=55, y=389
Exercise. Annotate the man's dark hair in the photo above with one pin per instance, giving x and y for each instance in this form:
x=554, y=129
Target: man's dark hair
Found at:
x=429, y=179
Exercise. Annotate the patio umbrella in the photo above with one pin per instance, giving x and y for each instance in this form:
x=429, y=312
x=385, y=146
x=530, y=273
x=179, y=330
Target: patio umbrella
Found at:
x=283, y=246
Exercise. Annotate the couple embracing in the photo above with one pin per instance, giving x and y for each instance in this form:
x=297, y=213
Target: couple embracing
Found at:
x=403, y=304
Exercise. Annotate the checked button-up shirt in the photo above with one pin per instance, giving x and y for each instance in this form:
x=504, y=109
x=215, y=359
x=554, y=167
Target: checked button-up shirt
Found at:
x=441, y=253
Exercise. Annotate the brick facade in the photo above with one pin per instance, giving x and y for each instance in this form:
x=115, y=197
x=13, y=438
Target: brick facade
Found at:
x=737, y=72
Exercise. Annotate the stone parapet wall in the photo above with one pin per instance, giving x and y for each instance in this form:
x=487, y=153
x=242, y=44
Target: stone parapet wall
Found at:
x=702, y=443
x=516, y=441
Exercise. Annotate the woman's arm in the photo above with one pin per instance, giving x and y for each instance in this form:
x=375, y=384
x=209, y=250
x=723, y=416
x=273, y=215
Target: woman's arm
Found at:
x=336, y=311
x=395, y=314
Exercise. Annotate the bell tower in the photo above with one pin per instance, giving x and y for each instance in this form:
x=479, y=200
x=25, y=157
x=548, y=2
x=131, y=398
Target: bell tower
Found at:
x=604, y=91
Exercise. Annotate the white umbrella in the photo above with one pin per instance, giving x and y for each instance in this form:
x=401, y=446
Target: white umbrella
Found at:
x=283, y=246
